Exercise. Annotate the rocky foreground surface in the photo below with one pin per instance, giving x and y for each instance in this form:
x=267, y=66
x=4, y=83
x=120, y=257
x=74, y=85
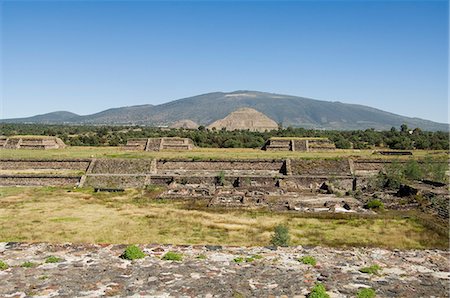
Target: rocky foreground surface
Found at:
x=212, y=271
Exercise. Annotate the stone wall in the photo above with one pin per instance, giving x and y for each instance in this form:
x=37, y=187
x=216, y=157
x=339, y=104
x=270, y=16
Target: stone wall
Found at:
x=80, y=165
x=322, y=167
x=122, y=166
x=35, y=180
x=115, y=181
x=33, y=142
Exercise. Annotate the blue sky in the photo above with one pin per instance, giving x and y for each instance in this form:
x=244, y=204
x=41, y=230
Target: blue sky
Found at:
x=87, y=56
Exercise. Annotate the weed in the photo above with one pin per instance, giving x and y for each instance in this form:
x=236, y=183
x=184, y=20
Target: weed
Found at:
x=3, y=265
x=29, y=264
x=308, y=260
x=53, y=259
x=375, y=204
x=281, y=236
x=366, y=293
x=318, y=291
x=220, y=178
x=201, y=257
x=132, y=252
x=374, y=269
x=238, y=260
x=172, y=256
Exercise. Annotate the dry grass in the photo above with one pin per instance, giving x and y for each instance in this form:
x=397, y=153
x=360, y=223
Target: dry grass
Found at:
x=198, y=153
x=68, y=215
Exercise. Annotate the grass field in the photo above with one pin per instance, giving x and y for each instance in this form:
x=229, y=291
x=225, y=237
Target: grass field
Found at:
x=74, y=215
x=198, y=153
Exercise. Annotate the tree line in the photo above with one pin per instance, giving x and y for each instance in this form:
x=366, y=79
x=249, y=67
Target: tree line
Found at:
x=76, y=135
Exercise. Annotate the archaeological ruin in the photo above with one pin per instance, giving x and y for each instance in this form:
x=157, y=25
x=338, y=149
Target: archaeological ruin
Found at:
x=31, y=142
x=245, y=119
x=159, y=144
x=306, y=185
x=298, y=144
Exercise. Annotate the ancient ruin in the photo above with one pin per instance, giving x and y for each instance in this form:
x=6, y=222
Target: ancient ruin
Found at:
x=185, y=124
x=245, y=119
x=305, y=185
x=159, y=144
x=298, y=144
x=31, y=142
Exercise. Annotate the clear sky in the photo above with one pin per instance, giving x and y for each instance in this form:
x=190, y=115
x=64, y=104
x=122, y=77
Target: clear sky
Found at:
x=87, y=56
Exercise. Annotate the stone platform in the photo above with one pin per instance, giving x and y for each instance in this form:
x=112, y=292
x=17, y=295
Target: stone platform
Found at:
x=210, y=271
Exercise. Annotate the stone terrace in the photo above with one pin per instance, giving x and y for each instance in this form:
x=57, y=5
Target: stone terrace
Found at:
x=96, y=270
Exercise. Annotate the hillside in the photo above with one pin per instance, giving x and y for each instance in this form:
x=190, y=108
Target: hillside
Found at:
x=288, y=110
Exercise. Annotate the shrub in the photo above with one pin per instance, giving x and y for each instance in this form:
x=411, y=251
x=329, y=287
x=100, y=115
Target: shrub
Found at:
x=3, y=265
x=375, y=204
x=308, y=260
x=366, y=293
x=132, y=252
x=53, y=259
x=318, y=291
x=172, y=256
x=221, y=178
x=281, y=236
x=413, y=171
x=374, y=269
x=28, y=264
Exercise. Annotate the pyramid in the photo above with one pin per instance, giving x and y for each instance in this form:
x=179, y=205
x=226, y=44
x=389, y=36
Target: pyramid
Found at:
x=243, y=119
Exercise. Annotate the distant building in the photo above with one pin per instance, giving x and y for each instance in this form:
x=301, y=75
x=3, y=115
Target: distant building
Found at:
x=159, y=144
x=298, y=144
x=31, y=142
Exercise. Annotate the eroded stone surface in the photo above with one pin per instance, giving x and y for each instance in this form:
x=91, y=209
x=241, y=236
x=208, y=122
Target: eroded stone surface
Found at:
x=209, y=271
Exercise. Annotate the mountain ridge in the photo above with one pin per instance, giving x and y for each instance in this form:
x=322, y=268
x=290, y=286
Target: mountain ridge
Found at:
x=206, y=108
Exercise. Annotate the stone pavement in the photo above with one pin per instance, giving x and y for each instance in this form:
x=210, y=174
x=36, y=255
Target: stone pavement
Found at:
x=88, y=270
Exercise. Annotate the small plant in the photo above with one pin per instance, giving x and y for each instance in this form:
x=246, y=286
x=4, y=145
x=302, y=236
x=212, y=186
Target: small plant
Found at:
x=172, y=256
x=281, y=236
x=308, y=260
x=132, y=252
x=257, y=257
x=3, y=265
x=238, y=260
x=318, y=291
x=249, y=259
x=366, y=293
x=221, y=178
x=375, y=204
x=29, y=264
x=53, y=259
x=201, y=257
x=374, y=269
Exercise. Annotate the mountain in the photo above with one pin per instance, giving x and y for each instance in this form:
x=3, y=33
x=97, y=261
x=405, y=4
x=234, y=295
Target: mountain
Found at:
x=245, y=118
x=53, y=117
x=286, y=109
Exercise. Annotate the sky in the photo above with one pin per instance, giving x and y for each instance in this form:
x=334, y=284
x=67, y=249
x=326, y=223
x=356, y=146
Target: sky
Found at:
x=87, y=56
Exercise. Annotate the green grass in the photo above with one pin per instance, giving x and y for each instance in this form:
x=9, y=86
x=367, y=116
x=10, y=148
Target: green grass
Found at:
x=172, y=256
x=308, y=260
x=373, y=269
x=318, y=291
x=3, y=265
x=366, y=293
x=199, y=154
x=132, y=252
x=52, y=214
x=29, y=264
x=53, y=259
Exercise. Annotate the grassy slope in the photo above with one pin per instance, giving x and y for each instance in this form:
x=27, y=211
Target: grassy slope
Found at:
x=60, y=215
x=198, y=153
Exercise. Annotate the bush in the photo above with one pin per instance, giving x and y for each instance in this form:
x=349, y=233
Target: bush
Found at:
x=413, y=171
x=53, y=259
x=132, y=252
x=3, y=265
x=375, y=204
x=172, y=256
x=318, y=291
x=238, y=260
x=366, y=293
x=308, y=260
x=281, y=236
x=28, y=264
x=374, y=269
